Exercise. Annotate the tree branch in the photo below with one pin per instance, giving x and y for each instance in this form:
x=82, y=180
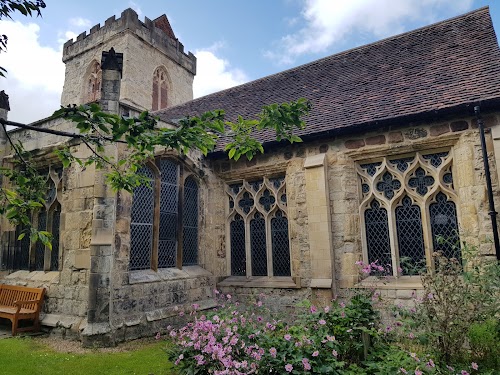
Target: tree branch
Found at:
x=51, y=131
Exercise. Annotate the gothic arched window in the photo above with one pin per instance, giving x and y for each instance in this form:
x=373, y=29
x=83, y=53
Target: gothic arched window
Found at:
x=407, y=208
x=159, y=236
x=37, y=256
x=258, y=210
x=160, y=89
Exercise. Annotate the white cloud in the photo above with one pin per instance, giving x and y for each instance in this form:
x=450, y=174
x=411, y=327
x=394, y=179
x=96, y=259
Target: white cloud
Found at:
x=214, y=73
x=328, y=22
x=135, y=7
x=80, y=22
x=35, y=74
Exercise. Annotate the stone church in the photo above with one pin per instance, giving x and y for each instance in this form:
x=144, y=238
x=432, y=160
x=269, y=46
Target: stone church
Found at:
x=391, y=160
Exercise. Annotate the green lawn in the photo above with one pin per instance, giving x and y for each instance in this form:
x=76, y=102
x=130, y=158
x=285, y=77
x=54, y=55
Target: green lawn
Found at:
x=29, y=357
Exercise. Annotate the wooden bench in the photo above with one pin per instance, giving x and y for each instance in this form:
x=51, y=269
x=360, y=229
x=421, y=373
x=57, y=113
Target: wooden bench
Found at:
x=21, y=303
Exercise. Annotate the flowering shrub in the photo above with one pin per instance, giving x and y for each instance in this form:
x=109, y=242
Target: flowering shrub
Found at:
x=345, y=337
x=231, y=340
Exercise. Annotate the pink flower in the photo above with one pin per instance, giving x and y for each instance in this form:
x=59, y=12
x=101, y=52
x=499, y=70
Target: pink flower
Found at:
x=463, y=372
x=418, y=372
x=273, y=352
x=450, y=368
x=401, y=369
x=288, y=367
x=330, y=338
x=287, y=337
x=431, y=363
x=474, y=365
x=334, y=353
x=315, y=354
x=313, y=309
x=322, y=322
x=158, y=336
x=228, y=296
x=327, y=309
x=259, y=303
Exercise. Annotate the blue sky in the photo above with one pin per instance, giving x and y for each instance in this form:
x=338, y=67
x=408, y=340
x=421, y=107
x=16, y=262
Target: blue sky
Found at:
x=235, y=41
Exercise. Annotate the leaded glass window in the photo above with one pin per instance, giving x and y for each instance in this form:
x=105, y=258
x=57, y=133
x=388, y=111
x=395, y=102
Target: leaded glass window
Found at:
x=190, y=223
x=238, y=253
x=141, y=225
x=403, y=198
x=258, y=209
x=161, y=234
x=445, y=226
x=377, y=235
x=169, y=205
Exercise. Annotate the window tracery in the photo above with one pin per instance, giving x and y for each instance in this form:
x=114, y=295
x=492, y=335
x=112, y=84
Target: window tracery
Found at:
x=407, y=204
x=258, y=228
x=37, y=256
x=160, y=89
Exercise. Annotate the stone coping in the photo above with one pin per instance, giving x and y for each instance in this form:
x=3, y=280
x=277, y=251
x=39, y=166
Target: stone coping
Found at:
x=403, y=282
x=33, y=278
x=261, y=282
x=163, y=274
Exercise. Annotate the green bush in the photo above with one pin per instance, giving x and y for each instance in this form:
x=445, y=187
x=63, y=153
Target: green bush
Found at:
x=484, y=341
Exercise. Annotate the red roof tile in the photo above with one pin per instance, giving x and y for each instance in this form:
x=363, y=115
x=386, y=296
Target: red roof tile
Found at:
x=429, y=70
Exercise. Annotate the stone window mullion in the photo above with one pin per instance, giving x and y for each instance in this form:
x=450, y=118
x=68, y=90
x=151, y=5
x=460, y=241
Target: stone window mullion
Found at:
x=269, y=246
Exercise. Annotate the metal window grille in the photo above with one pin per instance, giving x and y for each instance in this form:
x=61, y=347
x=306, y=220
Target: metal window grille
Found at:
x=190, y=223
x=40, y=247
x=281, y=251
x=169, y=194
x=436, y=159
x=258, y=245
x=371, y=168
x=377, y=235
x=56, y=223
x=410, y=237
x=141, y=226
x=444, y=226
x=421, y=181
x=402, y=164
x=21, y=250
x=238, y=253
x=388, y=185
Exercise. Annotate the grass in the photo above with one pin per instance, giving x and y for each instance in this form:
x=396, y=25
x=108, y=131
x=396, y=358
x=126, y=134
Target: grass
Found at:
x=29, y=356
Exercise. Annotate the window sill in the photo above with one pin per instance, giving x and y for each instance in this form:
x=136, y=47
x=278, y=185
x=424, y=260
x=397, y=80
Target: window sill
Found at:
x=35, y=278
x=403, y=282
x=283, y=282
x=165, y=274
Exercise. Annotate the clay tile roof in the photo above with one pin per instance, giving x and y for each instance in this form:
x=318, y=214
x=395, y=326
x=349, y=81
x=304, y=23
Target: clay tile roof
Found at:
x=431, y=70
x=163, y=24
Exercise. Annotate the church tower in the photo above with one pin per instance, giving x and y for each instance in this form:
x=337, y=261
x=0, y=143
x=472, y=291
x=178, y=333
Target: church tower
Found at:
x=156, y=74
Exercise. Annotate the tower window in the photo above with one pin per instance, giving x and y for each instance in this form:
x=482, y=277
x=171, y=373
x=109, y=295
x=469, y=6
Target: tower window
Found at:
x=160, y=89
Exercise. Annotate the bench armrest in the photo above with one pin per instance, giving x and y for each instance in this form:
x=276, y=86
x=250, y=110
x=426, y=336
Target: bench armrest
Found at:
x=29, y=302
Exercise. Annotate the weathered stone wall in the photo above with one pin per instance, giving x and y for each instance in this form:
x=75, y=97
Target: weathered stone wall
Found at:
x=460, y=135
x=67, y=288
x=144, y=48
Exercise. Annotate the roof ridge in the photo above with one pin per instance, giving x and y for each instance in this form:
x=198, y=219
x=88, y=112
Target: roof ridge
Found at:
x=338, y=54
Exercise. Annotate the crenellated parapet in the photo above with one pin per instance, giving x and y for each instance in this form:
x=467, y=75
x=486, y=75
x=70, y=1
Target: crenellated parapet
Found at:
x=152, y=32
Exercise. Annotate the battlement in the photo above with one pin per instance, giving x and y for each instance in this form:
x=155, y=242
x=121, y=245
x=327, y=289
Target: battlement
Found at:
x=159, y=37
